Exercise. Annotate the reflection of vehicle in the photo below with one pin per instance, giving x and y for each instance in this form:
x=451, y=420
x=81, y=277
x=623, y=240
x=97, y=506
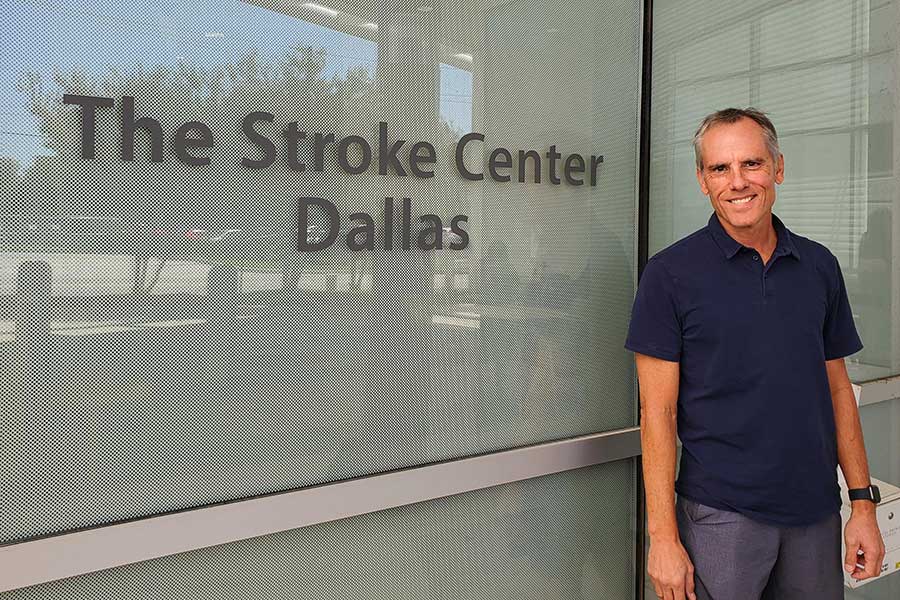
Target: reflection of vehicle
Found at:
x=20, y=233
x=90, y=235
x=173, y=258
x=101, y=236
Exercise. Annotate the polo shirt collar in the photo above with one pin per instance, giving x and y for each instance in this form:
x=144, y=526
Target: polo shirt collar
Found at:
x=730, y=246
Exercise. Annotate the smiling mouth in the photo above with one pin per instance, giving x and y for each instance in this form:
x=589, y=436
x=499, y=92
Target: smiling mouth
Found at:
x=744, y=200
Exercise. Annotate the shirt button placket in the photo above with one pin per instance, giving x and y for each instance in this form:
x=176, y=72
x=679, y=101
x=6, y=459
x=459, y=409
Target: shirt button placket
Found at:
x=762, y=277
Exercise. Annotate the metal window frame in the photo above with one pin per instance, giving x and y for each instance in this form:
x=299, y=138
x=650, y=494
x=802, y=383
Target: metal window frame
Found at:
x=643, y=248
x=84, y=551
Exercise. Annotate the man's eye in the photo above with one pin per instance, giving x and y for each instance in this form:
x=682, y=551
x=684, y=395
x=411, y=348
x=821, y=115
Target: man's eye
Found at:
x=752, y=164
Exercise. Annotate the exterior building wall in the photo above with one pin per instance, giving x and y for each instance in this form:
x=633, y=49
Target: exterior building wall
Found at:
x=175, y=342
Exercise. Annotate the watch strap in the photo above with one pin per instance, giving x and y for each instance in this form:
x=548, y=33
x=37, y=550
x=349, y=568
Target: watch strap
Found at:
x=866, y=493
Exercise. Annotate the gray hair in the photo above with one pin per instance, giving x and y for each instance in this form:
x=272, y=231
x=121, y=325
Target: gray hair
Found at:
x=733, y=115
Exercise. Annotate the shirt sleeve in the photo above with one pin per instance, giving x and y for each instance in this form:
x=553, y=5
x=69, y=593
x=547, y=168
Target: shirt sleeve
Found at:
x=839, y=332
x=655, y=328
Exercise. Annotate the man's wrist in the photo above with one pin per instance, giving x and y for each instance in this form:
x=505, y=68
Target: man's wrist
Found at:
x=862, y=507
x=664, y=534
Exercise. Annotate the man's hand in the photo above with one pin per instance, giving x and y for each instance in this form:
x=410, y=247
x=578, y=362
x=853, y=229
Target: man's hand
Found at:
x=862, y=533
x=671, y=570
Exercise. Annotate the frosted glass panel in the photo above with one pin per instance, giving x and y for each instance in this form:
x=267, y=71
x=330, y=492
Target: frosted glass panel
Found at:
x=172, y=342
x=562, y=537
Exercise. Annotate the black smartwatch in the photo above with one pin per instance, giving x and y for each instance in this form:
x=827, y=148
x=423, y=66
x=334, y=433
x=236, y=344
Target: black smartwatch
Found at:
x=866, y=493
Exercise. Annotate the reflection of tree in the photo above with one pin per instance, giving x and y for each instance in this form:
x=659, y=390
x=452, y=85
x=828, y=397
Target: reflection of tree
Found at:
x=139, y=200
x=136, y=198
x=323, y=373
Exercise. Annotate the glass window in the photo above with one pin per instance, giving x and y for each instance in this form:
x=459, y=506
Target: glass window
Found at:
x=174, y=346
x=539, y=539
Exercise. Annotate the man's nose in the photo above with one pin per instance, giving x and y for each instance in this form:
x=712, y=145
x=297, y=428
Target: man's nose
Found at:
x=737, y=179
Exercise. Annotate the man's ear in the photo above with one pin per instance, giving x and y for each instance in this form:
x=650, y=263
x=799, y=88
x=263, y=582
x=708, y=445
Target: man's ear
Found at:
x=779, y=169
x=702, y=182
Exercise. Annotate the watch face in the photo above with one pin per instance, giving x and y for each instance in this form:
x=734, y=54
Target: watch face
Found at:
x=876, y=494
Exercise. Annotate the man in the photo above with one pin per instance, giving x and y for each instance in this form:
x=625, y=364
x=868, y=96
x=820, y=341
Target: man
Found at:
x=740, y=332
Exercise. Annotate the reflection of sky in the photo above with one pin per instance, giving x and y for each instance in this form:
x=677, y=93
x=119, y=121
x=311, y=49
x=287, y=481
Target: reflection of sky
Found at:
x=48, y=38
x=456, y=98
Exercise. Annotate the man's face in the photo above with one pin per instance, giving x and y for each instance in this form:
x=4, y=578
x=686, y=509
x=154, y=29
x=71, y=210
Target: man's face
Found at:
x=739, y=174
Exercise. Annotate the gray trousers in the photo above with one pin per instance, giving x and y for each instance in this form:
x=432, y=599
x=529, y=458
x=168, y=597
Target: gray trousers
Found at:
x=736, y=558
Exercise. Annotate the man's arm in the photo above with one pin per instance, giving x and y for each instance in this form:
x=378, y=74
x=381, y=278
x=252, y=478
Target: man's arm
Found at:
x=862, y=532
x=668, y=563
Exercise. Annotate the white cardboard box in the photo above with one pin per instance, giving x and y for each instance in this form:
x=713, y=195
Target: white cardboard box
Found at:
x=888, y=515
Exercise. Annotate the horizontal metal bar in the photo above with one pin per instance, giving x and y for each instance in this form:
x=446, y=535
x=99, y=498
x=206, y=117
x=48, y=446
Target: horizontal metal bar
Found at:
x=879, y=390
x=47, y=559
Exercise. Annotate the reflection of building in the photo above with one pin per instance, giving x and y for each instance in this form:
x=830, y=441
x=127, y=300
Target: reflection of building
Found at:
x=175, y=351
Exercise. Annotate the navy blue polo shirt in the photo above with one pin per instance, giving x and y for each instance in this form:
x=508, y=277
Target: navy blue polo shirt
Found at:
x=754, y=407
